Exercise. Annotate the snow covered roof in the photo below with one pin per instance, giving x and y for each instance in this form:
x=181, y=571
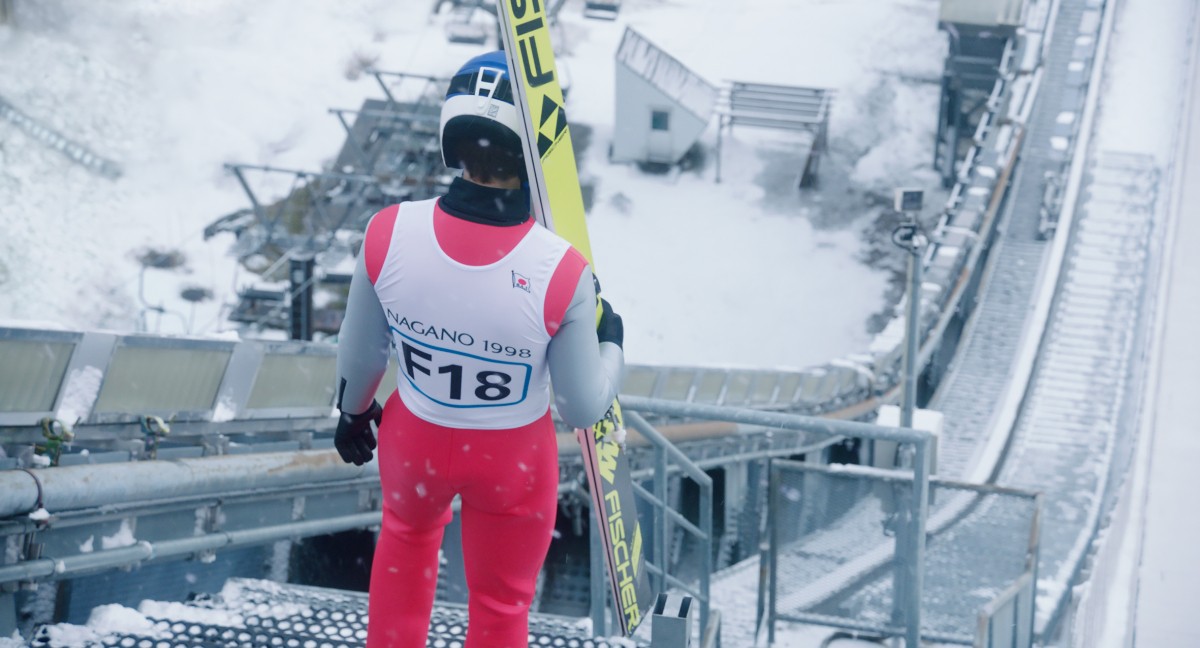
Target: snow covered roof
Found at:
x=989, y=13
x=666, y=73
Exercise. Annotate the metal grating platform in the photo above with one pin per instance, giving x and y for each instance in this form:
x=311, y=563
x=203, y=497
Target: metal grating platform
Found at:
x=251, y=612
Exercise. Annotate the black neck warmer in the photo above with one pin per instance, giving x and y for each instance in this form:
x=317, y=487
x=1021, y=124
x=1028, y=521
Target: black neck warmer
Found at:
x=487, y=205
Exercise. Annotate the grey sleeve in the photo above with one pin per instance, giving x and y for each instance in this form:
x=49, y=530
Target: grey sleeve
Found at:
x=363, y=344
x=586, y=375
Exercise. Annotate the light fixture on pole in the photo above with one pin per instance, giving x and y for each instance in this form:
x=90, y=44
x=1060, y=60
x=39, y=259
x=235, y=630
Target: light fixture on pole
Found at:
x=909, y=237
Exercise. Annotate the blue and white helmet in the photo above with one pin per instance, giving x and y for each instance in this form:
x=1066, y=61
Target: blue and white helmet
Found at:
x=479, y=104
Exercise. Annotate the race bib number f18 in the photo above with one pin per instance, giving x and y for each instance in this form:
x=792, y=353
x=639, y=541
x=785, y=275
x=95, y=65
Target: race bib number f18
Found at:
x=457, y=379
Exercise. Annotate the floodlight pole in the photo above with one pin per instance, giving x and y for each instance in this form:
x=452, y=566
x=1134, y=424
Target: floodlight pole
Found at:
x=911, y=335
x=908, y=236
x=909, y=558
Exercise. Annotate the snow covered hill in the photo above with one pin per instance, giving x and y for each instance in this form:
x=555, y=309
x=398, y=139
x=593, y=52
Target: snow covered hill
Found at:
x=747, y=272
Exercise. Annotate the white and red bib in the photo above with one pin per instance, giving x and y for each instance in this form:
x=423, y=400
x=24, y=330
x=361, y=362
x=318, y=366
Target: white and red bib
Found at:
x=470, y=340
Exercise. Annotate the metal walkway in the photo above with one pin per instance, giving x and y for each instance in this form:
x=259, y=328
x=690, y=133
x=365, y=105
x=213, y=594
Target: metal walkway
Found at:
x=264, y=613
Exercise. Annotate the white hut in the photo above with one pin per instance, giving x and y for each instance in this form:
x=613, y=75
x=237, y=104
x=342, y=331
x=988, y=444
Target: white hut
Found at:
x=662, y=106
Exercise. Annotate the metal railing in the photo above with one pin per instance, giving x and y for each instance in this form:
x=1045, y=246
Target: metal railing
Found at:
x=908, y=554
x=669, y=462
x=913, y=535
x=1008, y=621
x=666, y=518
x=251, y=499
x=841, y=555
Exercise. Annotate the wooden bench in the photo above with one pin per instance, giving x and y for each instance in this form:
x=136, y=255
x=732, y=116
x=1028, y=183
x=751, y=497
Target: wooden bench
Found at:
x=779, y=107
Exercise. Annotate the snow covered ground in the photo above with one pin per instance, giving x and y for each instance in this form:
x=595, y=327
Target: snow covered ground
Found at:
x=1146, y=576
x=171, y=90
x=758, y=274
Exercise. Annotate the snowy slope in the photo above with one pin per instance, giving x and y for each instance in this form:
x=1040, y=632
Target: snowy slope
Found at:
x=758, y=274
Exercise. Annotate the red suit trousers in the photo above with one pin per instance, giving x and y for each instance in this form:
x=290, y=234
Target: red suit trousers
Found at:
x=508, y=483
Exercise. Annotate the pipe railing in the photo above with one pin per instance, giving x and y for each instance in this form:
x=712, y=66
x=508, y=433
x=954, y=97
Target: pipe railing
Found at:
x=779, y=420
x=68, y=488
x=666, y=454
x=144, y=551
x=1009, y=621
x=668, y=461
x=229, y=488
x=911, y=541
x=909, y=551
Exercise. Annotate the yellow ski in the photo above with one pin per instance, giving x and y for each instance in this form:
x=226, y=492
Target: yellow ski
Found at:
x=558, y=205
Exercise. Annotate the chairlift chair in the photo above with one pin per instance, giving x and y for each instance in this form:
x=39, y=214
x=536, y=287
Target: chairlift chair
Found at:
x=601, y=9
x=461, y=29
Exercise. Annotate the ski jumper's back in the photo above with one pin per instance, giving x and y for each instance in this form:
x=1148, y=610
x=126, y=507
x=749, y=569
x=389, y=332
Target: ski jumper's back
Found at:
x=481, y=309
x=470, y=340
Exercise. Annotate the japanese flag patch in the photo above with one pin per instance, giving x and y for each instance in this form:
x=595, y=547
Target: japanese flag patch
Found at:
x=520, y=281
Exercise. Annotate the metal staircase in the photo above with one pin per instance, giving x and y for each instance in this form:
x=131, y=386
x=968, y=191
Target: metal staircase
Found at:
x=1065, y=442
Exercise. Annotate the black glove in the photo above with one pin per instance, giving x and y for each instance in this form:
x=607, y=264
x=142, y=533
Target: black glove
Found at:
x=610, y=328
x=354, y=440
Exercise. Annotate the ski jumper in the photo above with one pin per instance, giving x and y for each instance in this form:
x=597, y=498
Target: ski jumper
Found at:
x=482, y=309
